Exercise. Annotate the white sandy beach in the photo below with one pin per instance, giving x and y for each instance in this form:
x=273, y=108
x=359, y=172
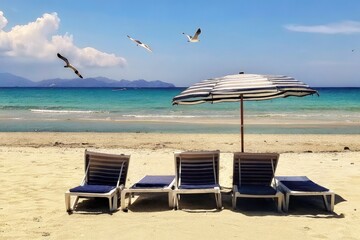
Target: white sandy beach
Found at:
x=37, y=168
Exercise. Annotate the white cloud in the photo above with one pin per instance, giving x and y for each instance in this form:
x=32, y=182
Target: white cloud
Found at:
x=345, y=27
x=3, y=20
x=4, y=41
x=38, y=39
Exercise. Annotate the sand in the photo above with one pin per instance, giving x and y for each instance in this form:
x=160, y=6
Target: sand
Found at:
x=37, y=168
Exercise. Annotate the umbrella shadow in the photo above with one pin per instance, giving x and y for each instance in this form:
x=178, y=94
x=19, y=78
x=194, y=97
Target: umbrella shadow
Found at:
x=93, y=206
x=152, y=202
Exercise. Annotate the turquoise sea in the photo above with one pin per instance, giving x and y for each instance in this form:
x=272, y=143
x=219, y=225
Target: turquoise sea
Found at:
x=336, y=110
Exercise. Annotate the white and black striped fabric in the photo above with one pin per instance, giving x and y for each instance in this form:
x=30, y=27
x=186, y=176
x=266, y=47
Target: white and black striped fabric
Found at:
x=251, y=86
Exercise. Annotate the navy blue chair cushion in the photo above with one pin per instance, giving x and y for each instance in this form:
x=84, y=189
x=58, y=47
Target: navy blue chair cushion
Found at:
x=256, y=190
x=154, y=181
x=92, y=189
x=304, y=186
x=202, y=186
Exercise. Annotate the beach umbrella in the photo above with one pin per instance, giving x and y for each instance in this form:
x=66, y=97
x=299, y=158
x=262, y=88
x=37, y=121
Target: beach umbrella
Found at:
x=242, y=87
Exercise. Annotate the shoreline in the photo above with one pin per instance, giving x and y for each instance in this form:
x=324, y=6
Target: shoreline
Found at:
x=178, y=127
x=281, y=143
x=192, y=120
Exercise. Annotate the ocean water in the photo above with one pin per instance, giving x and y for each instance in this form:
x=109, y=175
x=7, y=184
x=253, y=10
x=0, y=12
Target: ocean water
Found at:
x=336, y=110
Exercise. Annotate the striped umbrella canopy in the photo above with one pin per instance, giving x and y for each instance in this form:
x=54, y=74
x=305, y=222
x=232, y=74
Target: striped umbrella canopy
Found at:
x=243, y=87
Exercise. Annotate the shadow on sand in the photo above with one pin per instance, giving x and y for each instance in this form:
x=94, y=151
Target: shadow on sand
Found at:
x=154, y=202
x=313, y=207
x=93, y=206
x=309, y=206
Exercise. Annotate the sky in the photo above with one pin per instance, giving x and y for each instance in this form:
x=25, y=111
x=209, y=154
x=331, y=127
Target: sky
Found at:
x=317, y=42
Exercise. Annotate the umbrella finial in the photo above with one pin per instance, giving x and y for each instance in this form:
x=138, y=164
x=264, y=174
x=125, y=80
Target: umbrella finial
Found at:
x=241, y=72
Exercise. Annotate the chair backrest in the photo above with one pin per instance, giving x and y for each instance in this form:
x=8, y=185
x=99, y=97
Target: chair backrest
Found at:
x=106, y=169
x=254, y=168
x=197, y=168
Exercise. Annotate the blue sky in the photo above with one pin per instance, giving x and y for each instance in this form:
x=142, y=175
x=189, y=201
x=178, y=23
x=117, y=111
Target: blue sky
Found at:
x=309, y=40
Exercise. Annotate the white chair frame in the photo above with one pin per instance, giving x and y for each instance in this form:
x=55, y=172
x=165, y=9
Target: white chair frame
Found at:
x=112, y=196
x=215, y=190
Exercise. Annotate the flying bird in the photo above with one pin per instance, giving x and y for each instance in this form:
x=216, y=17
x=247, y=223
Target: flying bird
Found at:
x=138, y=43
x=68, y=65
x=353, y=50
x=194, y=38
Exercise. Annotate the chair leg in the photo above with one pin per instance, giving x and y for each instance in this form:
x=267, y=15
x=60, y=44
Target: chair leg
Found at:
x=218, y=200
x=287, y=202
x=234, y=201
x=279, y=202
x=67, y=202
x=131, y=195
x=176, y=200
x=329, y=206
x=284, y=203
x=326, y=203
x=123, y=200
x=171, y=200
x=110, y=203
x=76, y=201
x=115, y=199
x=332, y=202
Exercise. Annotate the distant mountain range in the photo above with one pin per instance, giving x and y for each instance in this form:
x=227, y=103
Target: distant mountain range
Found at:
x=10, y=80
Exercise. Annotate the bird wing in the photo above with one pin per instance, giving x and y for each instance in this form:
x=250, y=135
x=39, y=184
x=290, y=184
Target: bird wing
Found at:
x=188, y=36
x=63, y=58
x=146, y=47
x=131, y=38
x=134, y=40
x=197, y=34
x=139, y=43
x=69, y=65
x=75, y=70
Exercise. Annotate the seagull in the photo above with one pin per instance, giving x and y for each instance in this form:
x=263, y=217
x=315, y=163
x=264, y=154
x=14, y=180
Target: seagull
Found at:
x=194, y=38
x=138, y=43
x=68, y=65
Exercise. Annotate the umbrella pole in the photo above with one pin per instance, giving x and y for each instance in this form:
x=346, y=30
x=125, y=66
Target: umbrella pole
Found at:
x=242, y=122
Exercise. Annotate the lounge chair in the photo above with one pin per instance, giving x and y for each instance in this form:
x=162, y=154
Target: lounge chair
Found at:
x=150, y=184
x=303, y=186
x=253, y=175
x=197, y=173
x=105, y=176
